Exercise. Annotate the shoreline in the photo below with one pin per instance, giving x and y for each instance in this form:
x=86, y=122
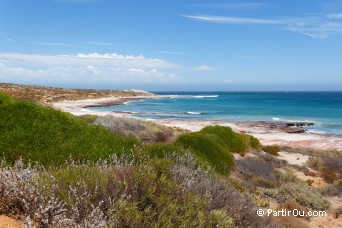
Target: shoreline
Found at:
x=79, y=107
x=262, y=130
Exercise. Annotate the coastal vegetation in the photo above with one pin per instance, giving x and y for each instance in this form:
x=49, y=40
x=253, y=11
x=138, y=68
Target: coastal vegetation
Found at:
x=145, y=131
x=58, y=170
x=45, y=95
x=49, y=137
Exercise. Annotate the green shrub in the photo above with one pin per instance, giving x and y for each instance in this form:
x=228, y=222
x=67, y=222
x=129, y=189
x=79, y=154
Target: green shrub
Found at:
x=50, y=137
x=5, y=99
x=160, y=150
x=254, y=142
x=274, y=150
x=235, y=142
x=263, y=182
x=209, y=149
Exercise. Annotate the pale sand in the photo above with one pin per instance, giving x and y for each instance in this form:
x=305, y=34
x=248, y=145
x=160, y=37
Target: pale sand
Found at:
x=265, y=135
x=7, y=222
x=77, y=108
x=293, y=158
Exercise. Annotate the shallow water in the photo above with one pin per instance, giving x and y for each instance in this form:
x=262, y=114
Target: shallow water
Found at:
x=322, y=108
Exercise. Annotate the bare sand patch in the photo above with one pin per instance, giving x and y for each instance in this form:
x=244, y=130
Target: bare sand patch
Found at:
x=7, y=222
x=294, y=158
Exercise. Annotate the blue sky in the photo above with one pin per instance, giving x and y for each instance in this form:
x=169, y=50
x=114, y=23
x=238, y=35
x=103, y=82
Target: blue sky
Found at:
x=173, y=45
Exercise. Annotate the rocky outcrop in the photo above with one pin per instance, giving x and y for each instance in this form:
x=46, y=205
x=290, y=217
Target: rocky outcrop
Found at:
x=288, y=127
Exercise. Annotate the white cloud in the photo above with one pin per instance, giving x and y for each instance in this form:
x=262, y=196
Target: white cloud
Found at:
x=172, y=52
x=99, y=43
x=136, y=70
x=205, y=68
x=50, y=44
x=232, y=20
x=319, y=27
x=235, y=6
x=334, y=16
x=94, y=67
x=247, y=57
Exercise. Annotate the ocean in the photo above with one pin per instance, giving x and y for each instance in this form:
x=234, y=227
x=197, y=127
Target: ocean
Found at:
x=324, y=109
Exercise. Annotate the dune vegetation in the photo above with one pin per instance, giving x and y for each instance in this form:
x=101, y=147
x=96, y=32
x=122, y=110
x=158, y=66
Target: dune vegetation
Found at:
x=49, y=137
x=58, y=170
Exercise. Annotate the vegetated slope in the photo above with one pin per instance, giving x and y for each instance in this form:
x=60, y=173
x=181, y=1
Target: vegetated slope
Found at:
x=209, y=149
x=46, y=95
x=235, y=142
x=48, y=136
x=214, y=145
x=156, y=185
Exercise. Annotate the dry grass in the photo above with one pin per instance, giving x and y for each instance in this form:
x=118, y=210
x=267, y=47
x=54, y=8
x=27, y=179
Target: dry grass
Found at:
x=145, y=131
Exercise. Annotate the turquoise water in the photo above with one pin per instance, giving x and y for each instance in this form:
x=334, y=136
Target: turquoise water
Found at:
x=322, y=108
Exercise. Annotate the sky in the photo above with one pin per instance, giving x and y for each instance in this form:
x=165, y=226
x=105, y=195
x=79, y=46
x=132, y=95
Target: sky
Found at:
x=173, y=45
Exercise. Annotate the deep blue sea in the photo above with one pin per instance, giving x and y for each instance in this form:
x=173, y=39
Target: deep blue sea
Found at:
x=322, y=108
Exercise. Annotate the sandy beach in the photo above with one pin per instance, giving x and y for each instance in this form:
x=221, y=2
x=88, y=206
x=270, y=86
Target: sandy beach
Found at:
x=262, y=131
x=79, y=107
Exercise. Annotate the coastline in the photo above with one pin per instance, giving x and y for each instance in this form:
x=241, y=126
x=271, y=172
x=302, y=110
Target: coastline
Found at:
x=79, y=107
x=261, y=130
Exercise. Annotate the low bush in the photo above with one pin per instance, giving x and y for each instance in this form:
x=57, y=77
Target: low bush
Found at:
x=259, y=166
x=162, y=150
x=263, y=182
x=125, y=192
x=313, y=152
x=145, y=131
x=334, y=163
x=287, y=175
x=300, y=192
x=222, y=193
x=328, y=174
x=315, y=163
x=331, y=190
x=235, y=142
x=338, y=212
x=309, y=182
x=291, y=205
x=254, y=142
x=209, y=149
x=273, y=150
x=5, y=99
